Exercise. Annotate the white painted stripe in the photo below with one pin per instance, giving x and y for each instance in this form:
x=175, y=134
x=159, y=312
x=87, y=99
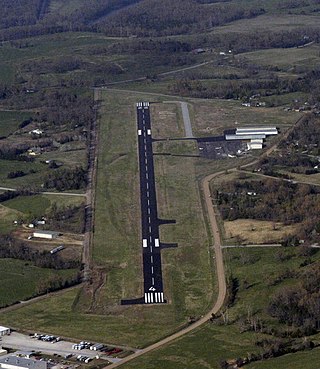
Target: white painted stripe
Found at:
x=151, y=258
x=159, y=296
x=144, y=243
x=149, y=211
x=139, y=132
x=150, y=239
x=149, y=132
x=145, y=298
x=148, y=202
x=147, y=175
x=149, y=220
x=147, y=186
x=152, y=280
x=152, y=270
x=151, y=298
x=146, y=160
x=156, y=297
x=148, y=193
x=150, y=229
x=148, y=298
x=156, y=242
x=162, y=300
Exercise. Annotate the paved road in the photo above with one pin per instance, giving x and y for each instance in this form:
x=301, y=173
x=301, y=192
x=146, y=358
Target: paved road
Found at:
x=186, y=120
x=46, y=193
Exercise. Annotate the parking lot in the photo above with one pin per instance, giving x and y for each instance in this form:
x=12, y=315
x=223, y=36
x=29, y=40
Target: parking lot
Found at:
x=220, y=149
x=23, y=342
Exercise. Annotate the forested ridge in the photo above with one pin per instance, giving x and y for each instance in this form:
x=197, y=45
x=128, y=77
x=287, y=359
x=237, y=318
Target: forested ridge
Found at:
x=134, y=17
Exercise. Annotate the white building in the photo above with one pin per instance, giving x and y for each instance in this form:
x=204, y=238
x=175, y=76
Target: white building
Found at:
x=257, y=131
x=245, y=137
x=4, y=331
x=14, y=362
x=254, y=146
x=46, y=234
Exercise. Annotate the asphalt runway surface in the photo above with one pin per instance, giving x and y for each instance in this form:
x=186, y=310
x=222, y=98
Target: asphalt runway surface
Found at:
x=150, y=241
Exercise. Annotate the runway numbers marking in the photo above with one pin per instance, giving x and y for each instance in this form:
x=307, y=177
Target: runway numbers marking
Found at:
x=156, y=242
x=144, y=243
x=149, y=132
x=139, y=132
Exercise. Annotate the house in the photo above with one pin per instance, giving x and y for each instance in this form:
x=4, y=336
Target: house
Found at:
x=36, y=131
x=4, y=331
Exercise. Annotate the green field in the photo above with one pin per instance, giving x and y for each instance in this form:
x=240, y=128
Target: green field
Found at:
x=21, y=280
x=9, y=121
x=286, y=59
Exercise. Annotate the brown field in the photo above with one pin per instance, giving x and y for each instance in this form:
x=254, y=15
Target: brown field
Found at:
x=250, y=231
x=214, y=117
x=167, y=120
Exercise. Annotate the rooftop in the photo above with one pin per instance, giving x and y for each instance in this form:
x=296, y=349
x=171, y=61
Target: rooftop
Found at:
x=7, y=361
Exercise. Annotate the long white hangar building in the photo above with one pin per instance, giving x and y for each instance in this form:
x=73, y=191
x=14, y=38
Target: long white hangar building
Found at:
x=256, y=135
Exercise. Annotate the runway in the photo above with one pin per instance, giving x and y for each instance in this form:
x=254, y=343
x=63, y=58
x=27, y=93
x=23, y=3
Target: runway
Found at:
x=150, y=239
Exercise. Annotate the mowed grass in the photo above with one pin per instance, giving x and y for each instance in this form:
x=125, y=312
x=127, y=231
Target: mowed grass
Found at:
x=286, y=59
x=7, y=217
x=9, y=121
x=20, y=280
x=269, y=22
x=35, y=204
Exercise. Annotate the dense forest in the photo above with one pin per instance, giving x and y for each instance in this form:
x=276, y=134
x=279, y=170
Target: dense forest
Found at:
x=134, y=17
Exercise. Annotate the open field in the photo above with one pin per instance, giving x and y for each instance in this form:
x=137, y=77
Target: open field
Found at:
x=9, y=121
x=7, y=217
x=21, y=280
x=270, y=22
x=213, y=117
x=250, y=231
x=36, y=204
x=286, y=59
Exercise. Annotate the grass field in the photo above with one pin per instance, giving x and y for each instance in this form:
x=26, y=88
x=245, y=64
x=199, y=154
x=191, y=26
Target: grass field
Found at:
x=286, y=59
x=7, y=217
x=36, y=204
x=20, y=280
x=9, y=121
